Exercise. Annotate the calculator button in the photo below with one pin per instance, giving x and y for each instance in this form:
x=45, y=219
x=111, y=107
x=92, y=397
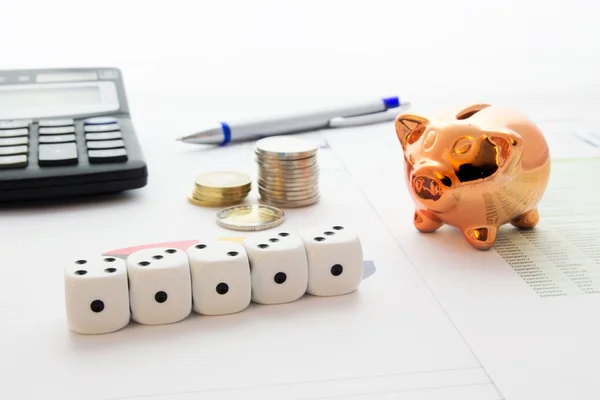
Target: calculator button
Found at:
x=105, y=144
x=101, y=128
x=100, y=121
x=103, y=156
x=57, y=138
x=14, y=132
x=19, y=161
x=14, y=124
x=57, y=130
x=103, y=135
x=57, y=154
x=12, y=150
x=56, y=122
x=14, y=141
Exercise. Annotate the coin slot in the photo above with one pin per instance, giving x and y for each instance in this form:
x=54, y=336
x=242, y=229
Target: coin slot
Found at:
x=143, y=263
x=80, y=272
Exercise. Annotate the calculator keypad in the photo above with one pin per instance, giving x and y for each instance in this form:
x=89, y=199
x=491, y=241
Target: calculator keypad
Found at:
x=14, y=144
x=57, y=142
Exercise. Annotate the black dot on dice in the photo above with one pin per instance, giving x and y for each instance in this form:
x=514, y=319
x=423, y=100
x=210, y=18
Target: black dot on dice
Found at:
x=263, y=246
x=337, y=270
x=200, y=246
x=109, y=259
x=143, y=263
x=319, y=239
x=157, y=257
x=329, y=233
x=222, y=288
x=280, y=277
x=80, y=262
x=97, y=306
x=110, y=270
x=80, y=272
x=170, y=251
x=160, y=297
x=338, y=228
x=284, y=234
x=232, y=253
x=273, y=240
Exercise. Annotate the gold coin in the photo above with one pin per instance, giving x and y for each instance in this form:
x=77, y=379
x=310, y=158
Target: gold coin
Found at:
x=223, y=180
x=216, y=203
x=254, y=217
x=289, y=204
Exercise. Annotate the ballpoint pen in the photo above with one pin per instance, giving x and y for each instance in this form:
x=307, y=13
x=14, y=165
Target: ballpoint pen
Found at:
x=370, y=112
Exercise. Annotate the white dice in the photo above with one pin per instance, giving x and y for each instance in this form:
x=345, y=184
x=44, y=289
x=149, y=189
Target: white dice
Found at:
x=335, y=260
x=96, y=295
x=160, y=287
x=278, y=267
x=220, y=274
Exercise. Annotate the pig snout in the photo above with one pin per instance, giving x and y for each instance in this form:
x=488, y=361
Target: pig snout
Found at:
x=430, y=184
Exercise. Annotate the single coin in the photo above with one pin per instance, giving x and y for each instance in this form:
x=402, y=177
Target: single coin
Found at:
x=253, y=217
x=288, y=185
x=223, y=179
x=220, y=194
x=285, y=147
x=216, y=203
x=289, y=204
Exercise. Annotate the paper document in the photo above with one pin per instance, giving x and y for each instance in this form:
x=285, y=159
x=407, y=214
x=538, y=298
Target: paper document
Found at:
x=388, y=340
x=528, y=308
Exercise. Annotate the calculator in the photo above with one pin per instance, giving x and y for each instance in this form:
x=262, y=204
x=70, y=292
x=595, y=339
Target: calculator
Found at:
x=66, y=132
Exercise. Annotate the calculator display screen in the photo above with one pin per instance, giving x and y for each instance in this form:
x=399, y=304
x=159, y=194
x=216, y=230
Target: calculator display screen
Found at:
x=47, y=100
x=41, y=96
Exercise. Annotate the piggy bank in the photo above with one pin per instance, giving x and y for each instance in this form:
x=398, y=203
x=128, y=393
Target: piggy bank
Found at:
x=474, y=168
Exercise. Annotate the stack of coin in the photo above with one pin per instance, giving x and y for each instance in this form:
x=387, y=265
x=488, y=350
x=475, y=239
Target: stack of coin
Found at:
x=288, y=172
x=220, y=189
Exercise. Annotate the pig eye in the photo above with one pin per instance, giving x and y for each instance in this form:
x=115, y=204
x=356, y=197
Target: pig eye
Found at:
x=463, y=145
x=429, y=140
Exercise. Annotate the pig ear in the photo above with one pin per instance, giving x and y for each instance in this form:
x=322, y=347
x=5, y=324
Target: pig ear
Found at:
x=508, y=143
x=409, y=128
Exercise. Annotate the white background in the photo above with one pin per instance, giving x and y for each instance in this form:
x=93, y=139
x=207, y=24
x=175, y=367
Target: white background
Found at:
x=190, y=63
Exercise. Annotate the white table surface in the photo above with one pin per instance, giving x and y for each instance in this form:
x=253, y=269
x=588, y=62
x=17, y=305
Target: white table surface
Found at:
x=190, y=63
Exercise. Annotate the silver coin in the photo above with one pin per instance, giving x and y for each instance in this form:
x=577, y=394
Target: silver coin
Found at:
x=297, y=176
x=288, y=184
x=287, y=199
x=286, y=165
x=285, y=194
x=285, y=147
x=278, y=189
x=253, y=217
x=290, y=204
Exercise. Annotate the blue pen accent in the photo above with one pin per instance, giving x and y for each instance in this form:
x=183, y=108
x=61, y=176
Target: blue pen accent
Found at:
x=226, y=133
x=391, y=102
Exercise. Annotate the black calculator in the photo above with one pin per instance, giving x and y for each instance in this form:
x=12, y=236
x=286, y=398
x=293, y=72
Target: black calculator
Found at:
x=66, y=132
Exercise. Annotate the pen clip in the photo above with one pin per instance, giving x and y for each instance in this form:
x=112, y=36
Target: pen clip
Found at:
x=367, y=119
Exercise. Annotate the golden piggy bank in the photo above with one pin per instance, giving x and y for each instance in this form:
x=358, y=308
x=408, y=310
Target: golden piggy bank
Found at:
x=476, y=169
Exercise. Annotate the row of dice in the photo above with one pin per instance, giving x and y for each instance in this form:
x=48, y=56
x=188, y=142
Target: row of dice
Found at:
x=164, y=285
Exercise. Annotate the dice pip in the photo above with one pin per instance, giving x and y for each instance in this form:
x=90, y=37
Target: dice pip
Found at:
x=160, y=289
x=335, y=260
x=96, y=295
x=278, y=267
x=220, y=272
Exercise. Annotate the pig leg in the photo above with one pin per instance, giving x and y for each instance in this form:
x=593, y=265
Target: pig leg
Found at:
x=426, y=222
x=482, y=238
x=527, y=220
